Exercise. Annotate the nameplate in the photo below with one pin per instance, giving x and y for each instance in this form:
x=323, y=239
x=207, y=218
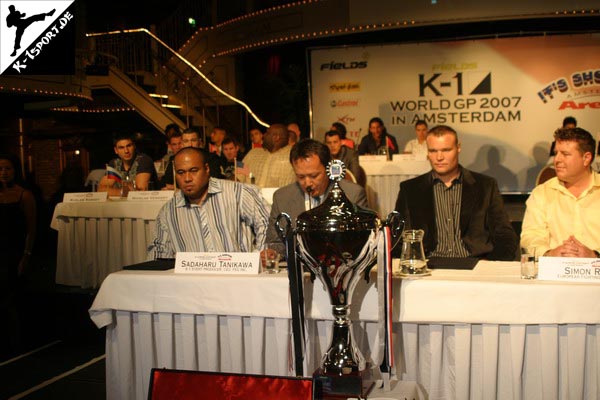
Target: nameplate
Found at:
x=85, y=197
x=569, y=269
x=372, y=157
x=150, y=195
x=404, y=157
x=217, y=263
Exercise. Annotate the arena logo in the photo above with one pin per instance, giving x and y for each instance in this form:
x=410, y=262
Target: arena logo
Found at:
x=34, y=35
x=344, y=87
x=333, y=65
x=344, y=103
x=572, y=105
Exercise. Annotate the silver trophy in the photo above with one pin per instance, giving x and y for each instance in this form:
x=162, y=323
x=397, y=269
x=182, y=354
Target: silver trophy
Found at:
x=337, y=242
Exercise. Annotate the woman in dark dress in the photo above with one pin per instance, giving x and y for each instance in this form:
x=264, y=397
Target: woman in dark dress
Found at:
x=17, y=235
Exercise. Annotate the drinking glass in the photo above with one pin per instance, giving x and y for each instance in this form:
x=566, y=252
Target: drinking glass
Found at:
x=270, y=261
x=529, y=267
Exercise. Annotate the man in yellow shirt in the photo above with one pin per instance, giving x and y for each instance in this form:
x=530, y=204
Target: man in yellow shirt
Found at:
x=562, y=218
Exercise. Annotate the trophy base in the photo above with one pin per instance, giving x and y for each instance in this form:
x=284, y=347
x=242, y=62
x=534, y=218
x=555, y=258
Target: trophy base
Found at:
x=332, y=386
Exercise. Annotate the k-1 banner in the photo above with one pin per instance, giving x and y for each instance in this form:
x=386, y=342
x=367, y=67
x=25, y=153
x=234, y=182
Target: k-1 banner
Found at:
x=504, y=97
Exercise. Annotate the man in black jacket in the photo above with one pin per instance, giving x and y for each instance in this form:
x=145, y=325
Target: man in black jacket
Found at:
x=461, y=211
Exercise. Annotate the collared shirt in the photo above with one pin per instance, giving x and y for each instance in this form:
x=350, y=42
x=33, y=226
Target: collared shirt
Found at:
x=270, y=169
x=419, y=150
x=234, y=217
x=553, y=214
x=447, y=218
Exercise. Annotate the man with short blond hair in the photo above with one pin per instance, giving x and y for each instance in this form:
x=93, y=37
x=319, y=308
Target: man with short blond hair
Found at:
x=562, y=218
x=461, y=211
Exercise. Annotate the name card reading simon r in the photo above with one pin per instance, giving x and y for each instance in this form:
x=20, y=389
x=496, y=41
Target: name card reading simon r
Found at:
x=217, y=263
x=566, y=269
x=85, y=197
x=151, y=195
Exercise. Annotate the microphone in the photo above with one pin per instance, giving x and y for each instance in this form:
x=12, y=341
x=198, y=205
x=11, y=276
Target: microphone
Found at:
x=309, y=190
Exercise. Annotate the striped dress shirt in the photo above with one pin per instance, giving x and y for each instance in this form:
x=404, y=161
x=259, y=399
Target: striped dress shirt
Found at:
x=233, y=217
x=447, y=218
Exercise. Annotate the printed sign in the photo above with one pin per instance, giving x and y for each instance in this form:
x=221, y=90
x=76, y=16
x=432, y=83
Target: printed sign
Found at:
x=586, y=270
x=151, y=195
x=504, y=97
x=85, y=197
x=217, y=263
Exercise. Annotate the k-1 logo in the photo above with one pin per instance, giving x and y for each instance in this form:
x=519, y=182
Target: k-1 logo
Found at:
x=438, y=83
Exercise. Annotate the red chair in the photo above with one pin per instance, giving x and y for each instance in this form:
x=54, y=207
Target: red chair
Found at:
x=169, y=384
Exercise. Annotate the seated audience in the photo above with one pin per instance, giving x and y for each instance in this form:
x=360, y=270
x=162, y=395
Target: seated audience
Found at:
x=231, y=156
x=208, y=214
x=562, y=217
x=256, y=137
x=338, y=151
x=175, y=144
x=378, y=141
x=216, y=139
x=309, y=159
x=270, y=165
x=461, y=211
x=418, y=146
x=341, y=128
x=135, y=167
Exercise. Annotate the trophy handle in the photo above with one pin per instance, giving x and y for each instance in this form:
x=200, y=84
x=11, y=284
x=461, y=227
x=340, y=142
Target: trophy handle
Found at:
x=283, y=229
x=396, y=225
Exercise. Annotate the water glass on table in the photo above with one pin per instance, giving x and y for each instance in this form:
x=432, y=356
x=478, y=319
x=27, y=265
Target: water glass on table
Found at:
x=270, y=260
x=529, y=264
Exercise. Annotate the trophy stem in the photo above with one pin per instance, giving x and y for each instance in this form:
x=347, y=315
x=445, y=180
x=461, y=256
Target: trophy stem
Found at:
x=340, y=358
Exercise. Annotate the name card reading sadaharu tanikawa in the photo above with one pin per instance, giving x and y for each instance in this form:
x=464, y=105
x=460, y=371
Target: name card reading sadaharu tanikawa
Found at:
x=567, y=269
x=85, y=197
x=217, y=263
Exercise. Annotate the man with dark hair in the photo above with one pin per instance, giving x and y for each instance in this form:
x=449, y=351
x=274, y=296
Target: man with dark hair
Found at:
x=562, y=217
x=461, y=211
x=568, y=123
x=231, y=156
x=175, y=143
x=338, y=151
x=208, y=214
x=270, y=165
x=377, y=140
x=341, y=128
x=216, y=138
x=418, y=146
x=308, y=158
x=134, y=167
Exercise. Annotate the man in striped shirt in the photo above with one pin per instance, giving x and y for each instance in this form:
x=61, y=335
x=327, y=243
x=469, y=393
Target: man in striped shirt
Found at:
x=209, y=214
x=461, y=211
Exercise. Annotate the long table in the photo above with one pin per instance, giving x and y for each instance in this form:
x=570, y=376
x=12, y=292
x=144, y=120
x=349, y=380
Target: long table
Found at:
x=459, y=334
x=383, y=180
x=96, y=239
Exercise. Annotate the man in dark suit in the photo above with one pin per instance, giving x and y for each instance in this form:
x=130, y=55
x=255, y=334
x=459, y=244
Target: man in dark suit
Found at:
x=308, y=158
x=461, y=211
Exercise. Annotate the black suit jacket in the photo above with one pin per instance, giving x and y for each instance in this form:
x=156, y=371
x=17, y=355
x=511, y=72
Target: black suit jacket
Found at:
x=484, y=225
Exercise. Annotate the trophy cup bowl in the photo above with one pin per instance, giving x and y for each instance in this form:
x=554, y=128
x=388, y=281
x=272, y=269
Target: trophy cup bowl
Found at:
x=337, y=242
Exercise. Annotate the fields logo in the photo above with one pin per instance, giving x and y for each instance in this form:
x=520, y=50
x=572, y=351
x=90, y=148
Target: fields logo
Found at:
x=37, y=37
x=336, y=65
x=344, y=103
x=344, y=87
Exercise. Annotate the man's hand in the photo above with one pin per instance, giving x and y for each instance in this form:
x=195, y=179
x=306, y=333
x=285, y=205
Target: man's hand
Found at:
x=571, y=248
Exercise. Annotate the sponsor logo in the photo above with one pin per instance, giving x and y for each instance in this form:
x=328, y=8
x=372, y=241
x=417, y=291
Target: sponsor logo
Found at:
x=335, y=65
x=572, y=105
x=346, y=119
x=343, y=103
x=37, y=37
x=344, y=87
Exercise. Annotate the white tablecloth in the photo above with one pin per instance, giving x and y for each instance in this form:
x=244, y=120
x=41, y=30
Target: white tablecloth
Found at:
x=383, y=181
x=96, y=239
x=460, y=334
